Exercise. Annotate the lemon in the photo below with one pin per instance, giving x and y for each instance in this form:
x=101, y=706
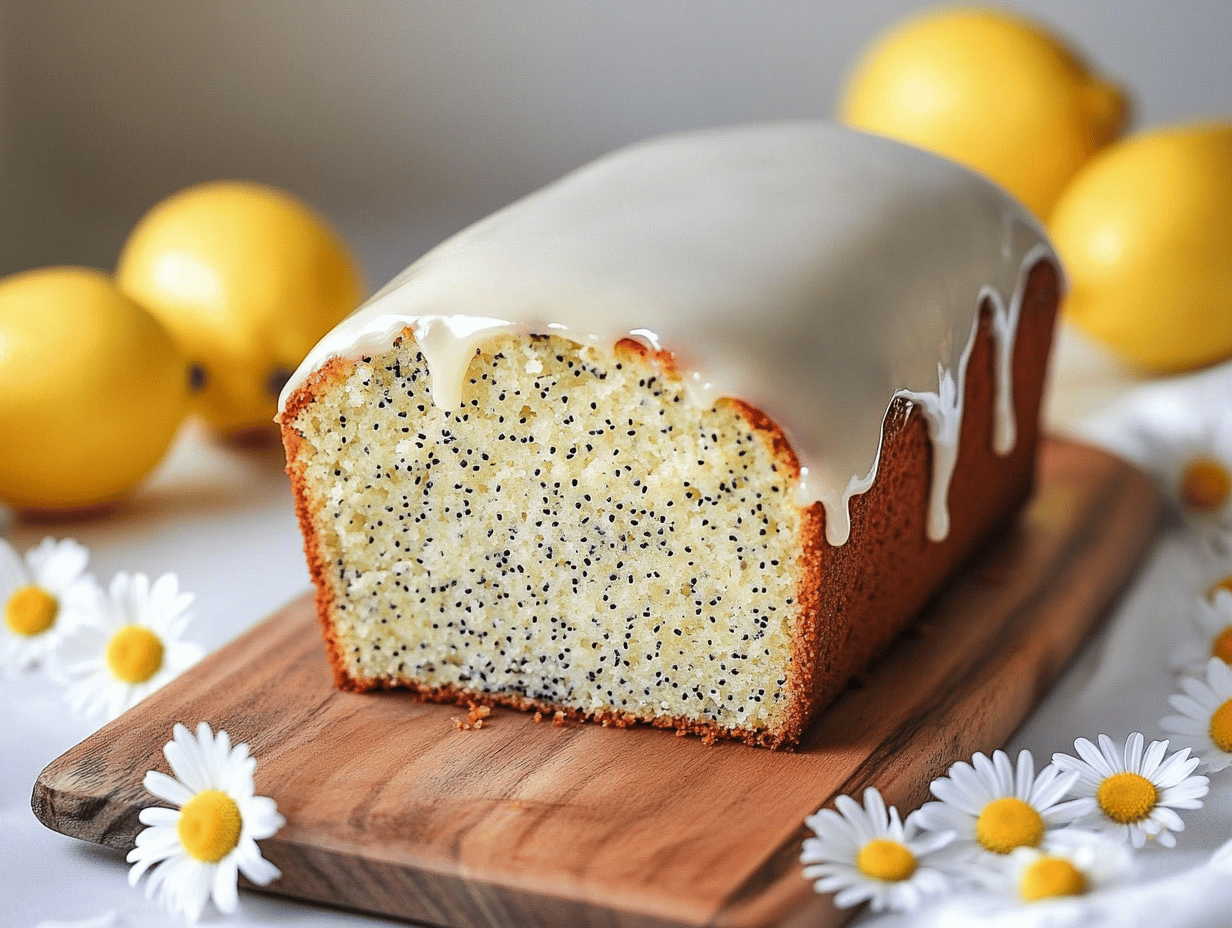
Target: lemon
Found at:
x=92, y=390
x=990, y=90
x=248, y=279
x=1145, y=233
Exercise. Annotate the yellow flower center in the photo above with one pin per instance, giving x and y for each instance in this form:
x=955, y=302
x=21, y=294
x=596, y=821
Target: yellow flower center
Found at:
x=30, y=611
x=1127, y=797
x=134, y=654
x=887, y=860
x=1221, y=726
x=1205, y=485
x=1008, y=823
x=1051, y=876
x=210, y=826
x=1221, y=646
x=1224, y=584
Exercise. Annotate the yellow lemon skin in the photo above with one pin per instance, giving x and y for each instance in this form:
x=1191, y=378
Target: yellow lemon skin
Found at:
x=92, y=390
x=990, y=90
x=247, y=278
x=1145, y=233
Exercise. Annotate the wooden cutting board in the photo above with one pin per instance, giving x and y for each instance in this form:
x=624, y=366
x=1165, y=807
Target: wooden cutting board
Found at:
x=391, y=809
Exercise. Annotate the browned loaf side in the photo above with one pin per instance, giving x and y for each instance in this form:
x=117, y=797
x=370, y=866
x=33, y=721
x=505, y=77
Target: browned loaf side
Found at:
x=583, y=539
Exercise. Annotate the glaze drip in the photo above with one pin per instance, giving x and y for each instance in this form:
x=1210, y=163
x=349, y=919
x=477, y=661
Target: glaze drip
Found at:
x=812, y=271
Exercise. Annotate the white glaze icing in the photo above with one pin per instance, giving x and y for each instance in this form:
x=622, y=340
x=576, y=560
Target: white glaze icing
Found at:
x=811, y=270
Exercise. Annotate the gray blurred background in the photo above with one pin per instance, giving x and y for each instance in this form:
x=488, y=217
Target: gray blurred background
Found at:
x=402, y=121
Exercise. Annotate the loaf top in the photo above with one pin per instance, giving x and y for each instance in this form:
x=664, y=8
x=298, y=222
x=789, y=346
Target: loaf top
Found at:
x=811, y=270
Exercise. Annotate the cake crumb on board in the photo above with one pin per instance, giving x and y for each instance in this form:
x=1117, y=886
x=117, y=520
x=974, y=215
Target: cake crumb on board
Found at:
x=474, y=718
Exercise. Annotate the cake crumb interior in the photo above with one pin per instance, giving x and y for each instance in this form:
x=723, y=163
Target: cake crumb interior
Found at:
x=578, y=534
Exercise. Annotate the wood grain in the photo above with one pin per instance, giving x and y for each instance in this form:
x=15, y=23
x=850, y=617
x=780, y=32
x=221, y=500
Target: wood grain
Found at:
x=391, y=809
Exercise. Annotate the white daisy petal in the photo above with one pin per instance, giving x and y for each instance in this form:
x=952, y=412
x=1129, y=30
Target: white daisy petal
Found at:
x=1219, y=674
x=853, y=815
x=1165, y=818
x=967, y=778
x=901, y=898
x=1192, y=706
x=154, y=815
x=1189, y=797
x=854, y=895
x=167, y=788
x=1093, y=757
x=187, y=766
x=944, y=817
x=1005, y=771
x=153, y=845
x=1198, y=690
x=951, y=794
x=1051, y=786
x=217, y=752
x=925, y=845
x=223, y=889
x=826, y=822
x=183, y=883
x=162, y=594
x=195, y=892
x=261, y=817
x=255, y=867
x=139, y=866
x=1175, y=769
x=56, y=565
x=875, y=809
x=988, y=773
x=1063, y=813
x=241, y=769
x=1145, y=763
x=1112, y=754
x=1184, y=725
x=169, y=868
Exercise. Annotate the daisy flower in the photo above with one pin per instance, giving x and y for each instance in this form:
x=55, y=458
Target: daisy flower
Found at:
x=44, y=596
x=1205, y=722
x=130, y=647
x=1212, y=618
x=1191, y=458
x=1213, y=565
x=1132, y=794
x=993, y=808
x=1069, y=862
x=868, y=854
x=197, y=849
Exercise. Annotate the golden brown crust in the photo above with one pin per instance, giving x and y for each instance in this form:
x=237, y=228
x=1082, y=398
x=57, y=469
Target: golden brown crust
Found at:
x=333, y=372
x=453, y=695
x=855, y=598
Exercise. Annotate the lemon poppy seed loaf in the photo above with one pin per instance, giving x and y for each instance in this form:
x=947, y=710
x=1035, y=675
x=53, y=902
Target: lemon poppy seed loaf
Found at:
x=685, y=438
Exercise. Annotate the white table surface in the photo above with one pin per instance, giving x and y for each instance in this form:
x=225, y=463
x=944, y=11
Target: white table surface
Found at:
x=221, y=518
